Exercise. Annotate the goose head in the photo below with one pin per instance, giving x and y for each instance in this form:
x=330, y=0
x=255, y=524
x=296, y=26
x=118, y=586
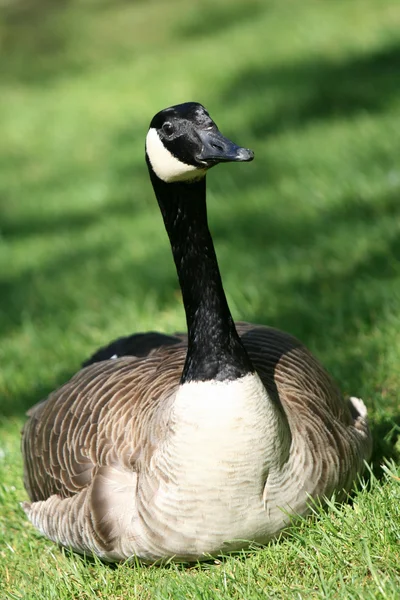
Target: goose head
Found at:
x=183, y=142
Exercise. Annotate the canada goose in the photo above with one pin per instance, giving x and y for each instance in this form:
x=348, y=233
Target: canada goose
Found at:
x=198, y=442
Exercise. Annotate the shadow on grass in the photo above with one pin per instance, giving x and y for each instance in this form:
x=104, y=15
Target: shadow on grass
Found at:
x=40, y=224
x=27, y=294
x=210, y=18
x=38, y=36
x=180, y=565
x=386, y=434
x=317, y=89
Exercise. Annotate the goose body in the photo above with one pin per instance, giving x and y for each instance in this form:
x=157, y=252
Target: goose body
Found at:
x=189, y=445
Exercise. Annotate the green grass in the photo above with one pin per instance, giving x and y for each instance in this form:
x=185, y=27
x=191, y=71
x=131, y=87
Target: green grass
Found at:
x=308, y=239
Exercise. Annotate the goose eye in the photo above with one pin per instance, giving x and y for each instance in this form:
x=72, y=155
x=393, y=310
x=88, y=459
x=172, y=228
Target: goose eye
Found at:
x=168, y=128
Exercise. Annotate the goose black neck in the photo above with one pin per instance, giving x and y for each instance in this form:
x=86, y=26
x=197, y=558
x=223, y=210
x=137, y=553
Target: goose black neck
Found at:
x=215, y=351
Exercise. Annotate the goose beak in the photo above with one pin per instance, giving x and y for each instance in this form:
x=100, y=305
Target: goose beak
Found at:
x=216, y=148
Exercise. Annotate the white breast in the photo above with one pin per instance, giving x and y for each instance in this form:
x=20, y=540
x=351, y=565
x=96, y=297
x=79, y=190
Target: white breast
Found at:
x=225, y=437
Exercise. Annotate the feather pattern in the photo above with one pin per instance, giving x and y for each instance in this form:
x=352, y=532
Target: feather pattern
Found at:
x=91, y=451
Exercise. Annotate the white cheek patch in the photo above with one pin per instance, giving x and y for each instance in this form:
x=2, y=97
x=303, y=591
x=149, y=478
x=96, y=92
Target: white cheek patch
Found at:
x=165, y=165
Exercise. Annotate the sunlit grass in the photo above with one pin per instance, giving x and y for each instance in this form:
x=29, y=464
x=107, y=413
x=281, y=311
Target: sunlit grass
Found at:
x=307, y=236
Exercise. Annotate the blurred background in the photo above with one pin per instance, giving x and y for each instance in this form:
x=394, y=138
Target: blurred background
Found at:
x=307, y=236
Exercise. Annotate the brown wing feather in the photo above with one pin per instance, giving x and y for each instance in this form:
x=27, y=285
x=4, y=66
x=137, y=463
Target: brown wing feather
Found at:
x=107, y=407
x=317, y=412
x=81, y=424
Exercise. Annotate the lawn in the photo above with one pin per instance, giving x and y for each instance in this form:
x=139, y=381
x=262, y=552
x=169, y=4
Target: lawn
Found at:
x=307, y=236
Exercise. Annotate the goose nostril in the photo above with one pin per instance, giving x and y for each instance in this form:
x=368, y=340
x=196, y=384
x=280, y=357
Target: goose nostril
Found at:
x=217, y=147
